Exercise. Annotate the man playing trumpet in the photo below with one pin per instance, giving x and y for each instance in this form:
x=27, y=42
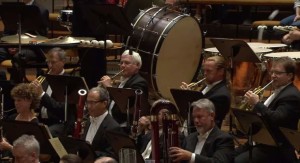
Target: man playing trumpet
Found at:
x=130, y=65
x=51, y=111
x=280, y=109
x=216, y=89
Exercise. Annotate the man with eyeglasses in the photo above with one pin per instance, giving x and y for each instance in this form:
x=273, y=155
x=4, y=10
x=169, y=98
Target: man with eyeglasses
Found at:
x=130, y=64
x=52, y=112
x=99, y=121
x=281, y=109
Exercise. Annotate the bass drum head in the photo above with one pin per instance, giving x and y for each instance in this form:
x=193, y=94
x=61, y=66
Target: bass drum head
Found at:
x=179, y=56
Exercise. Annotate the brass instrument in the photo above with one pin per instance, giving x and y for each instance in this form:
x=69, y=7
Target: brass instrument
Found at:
x=193, y=85
x=78, y=131
x=257, y=91
x=112, y=78
x=170, y=129
x=40, y=79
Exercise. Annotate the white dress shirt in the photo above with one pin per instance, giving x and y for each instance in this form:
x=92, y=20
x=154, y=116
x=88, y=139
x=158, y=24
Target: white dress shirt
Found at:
x=200, y=143
x=209, y=87
x=95, y=124
x=274, y=94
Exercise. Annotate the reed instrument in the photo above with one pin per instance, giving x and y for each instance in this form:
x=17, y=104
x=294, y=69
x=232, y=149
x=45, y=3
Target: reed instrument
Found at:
x=1, y=113
x=137, y=112
x=78, y=131
x=170, y=123
x=257, y=91
x=112, y=78
x=194, y=85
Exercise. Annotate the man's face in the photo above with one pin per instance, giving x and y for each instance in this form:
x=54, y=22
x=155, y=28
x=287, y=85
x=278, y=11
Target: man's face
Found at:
x=203, y=120
x=22, y=156
x=55, y=65
x=128, y=66
x=211, y=72
x=94, y=105
x=279, y=75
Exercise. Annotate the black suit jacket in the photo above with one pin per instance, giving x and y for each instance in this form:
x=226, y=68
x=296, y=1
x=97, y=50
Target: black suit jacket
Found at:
x=56, y=110
x=218, y=147
x=100, y=143
x=283, y=111
x=135, y=82
x=220, y=97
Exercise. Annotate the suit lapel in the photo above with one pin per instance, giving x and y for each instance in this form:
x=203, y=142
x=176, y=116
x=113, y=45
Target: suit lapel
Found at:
x=217, y=86
x=272, y=104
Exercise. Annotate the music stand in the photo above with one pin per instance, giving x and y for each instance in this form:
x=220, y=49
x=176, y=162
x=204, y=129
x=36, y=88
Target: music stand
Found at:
x=7, y=86
x=65, y=88
x=14, y=129
x=183, y=100
x=235, y=50
x=292, y=136
x=120, y=140
x=78, y=147
x=256, y=128
x=122, y=96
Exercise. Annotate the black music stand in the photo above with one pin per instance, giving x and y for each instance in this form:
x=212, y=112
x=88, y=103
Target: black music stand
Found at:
x=14, y=129
x=292, y=136
x=78, y=147
x=120, y=140
x=184, y=99
x=7, y=86
x=122, y=96
x=235, y=50
x=65, y=88
x=256, y=128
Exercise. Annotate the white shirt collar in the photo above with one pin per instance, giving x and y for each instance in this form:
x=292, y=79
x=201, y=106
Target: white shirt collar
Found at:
x=205, y=135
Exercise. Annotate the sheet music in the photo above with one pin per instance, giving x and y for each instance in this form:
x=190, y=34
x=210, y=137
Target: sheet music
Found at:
x=58, y=147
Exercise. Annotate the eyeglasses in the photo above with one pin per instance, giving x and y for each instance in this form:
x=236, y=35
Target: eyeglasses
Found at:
x=277, y=72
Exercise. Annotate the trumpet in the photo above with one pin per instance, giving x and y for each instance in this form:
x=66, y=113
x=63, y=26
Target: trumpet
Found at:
x=112, y=78
x=193, y=85
x=40, y=79
x=257, y=91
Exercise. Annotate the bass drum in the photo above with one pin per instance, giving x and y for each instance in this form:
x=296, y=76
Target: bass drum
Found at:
x=170, y=45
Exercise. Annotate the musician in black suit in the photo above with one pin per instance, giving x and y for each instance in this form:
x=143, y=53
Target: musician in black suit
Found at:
x=280, y=109
x=209, y=143
x=130, y=63
x=52, y=112
x=216, y=89
x=100, y=121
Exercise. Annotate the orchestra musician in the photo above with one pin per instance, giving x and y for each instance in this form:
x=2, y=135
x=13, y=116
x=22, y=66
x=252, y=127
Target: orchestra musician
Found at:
x=130, y=64
x=163, y=109
x=26, y=149
x=26, y=100
x=292, y=38
x=100, y=121
x=52, y=112
x=208, y=143
x=281, y=109
x=216, y=89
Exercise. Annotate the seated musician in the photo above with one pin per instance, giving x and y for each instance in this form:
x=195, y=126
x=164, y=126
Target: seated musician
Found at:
x=52, y=112
x=26, y=149
x=163, y=109
x=130, y=64
x=94, y=131
x=279, y=109
x=216, y=89
x=26, y=100
x=208, y=143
